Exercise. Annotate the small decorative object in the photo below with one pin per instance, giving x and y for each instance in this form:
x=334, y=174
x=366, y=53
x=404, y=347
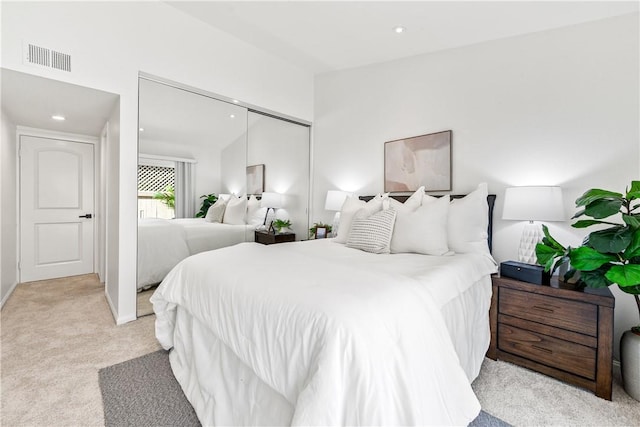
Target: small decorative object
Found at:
x=281, y=225
x=313, y=231
x=607, y=256
x=334, y=201
x=209, y=199
x=321, y=232
x=532, y=204
x=418, y=161
x=255, y=179
x=525, y=272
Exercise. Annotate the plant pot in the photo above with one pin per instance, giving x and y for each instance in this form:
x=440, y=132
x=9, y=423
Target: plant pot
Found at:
x=630, y=363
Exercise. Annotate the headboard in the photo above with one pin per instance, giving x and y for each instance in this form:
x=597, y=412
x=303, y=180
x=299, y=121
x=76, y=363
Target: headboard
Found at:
x=491, y=201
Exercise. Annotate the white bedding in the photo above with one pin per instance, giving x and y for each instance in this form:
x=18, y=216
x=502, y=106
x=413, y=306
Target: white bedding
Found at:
x=311, y=333
x=164, y=243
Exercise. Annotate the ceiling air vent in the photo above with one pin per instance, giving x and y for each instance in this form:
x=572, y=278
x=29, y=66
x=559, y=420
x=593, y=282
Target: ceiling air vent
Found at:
x=43, y=57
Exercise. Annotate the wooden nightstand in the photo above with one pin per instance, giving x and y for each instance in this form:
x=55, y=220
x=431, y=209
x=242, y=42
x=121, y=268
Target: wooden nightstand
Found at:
x=555, y=330
x=270, y=238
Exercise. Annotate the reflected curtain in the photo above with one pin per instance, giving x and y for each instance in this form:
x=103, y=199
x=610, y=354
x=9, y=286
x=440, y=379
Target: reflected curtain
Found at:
x=185, y=197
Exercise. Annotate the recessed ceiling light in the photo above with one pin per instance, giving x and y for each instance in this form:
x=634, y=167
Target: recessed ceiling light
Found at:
x=233, y=116
x=399, y=29
x=235, y=101
x=141, y=129
x=58, y=117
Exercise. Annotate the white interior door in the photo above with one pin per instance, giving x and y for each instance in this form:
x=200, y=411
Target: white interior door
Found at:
x=56, y=208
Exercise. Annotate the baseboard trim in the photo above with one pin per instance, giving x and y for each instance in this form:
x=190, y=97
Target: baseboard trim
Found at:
x=6, y=297
x=119, y=320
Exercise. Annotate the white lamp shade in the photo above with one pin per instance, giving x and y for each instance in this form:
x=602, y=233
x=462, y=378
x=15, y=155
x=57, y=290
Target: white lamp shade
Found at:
x=533, y=204
x=335, y=200
x=271, y=200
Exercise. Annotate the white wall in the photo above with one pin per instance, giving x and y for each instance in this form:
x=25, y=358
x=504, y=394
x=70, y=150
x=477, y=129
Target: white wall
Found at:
x=110, y=42
x=553, y=108
x=8, y=216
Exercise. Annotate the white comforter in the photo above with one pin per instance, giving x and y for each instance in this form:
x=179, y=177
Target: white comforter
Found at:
x=337, y=332
x=164, y=243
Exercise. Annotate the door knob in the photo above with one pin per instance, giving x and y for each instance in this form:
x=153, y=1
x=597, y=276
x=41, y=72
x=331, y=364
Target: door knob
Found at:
x=86, y=216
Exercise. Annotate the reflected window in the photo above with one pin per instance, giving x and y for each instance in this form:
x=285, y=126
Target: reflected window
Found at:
x=156, y=191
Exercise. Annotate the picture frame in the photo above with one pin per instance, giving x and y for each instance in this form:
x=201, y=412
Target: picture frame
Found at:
x=321, y=232
x=255, y=179
x=423, y=160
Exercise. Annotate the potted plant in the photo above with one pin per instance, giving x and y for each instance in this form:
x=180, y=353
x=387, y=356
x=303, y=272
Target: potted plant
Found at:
x=167, y=196
x=282, y=225
x=607, y=256
x=209, y=199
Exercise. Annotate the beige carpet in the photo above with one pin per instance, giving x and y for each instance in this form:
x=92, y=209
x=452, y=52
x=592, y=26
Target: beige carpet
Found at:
x=56, y=335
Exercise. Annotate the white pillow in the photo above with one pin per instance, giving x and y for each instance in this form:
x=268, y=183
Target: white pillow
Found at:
x=255, y=213
x=215, y=212
x=423, y=231
x=372, y=233
x=409, y=205
x=349, y=208
x=236, y=211
x=468, y=222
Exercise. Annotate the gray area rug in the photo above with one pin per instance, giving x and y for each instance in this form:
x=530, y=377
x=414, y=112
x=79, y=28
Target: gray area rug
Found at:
x=144, y=392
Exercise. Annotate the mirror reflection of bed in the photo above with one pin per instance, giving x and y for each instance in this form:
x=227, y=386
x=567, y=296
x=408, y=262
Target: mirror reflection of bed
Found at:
x=192, y=144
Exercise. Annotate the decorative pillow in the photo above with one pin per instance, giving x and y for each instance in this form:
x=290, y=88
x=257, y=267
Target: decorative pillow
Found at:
x=424, y=230
x=349, y=208
x=409, y=205
x=468, y=222
x=215, y=212
x=372, y=233
x=236, y=211
x=255, y=213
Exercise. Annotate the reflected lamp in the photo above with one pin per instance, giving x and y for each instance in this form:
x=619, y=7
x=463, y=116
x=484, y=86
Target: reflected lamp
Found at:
x=270, y=200
x=334, y=201
x=534, y=203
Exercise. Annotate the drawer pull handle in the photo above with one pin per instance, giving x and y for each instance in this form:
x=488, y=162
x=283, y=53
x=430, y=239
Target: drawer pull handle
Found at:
x=548, y=310
x=546, y=350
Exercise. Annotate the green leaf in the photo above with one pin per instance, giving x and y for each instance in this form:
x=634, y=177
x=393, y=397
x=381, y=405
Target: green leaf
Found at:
x=611, y=240
x=584, y=223
x=596, y=278
x=588, y=259
x=546, y=255
x=625, y=275
x=631, y=220
x=550, y=241
x=603, y=208
x=633, y=250
x=634, y=192
x=594, y=194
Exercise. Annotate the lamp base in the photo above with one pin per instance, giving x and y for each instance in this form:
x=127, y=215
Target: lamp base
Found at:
x=531, y=236
x=335, y=225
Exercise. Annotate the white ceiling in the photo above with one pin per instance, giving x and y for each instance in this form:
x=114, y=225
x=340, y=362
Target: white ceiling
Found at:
x=322, y=36
x=173, y=115
x=30, y=101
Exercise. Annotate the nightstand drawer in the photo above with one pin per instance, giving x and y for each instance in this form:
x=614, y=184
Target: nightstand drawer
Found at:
x=571, y=315
x=568, y=356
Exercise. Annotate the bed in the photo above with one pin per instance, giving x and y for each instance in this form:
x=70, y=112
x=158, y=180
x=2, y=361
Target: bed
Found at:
x=322, y=333
x=163, y=243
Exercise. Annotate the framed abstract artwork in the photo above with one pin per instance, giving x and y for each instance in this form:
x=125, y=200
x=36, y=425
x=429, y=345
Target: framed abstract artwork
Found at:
x=420, y=160
x=255, y=179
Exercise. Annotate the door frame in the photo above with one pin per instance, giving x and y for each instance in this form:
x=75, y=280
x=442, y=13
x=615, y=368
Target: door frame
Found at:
x=51, y=134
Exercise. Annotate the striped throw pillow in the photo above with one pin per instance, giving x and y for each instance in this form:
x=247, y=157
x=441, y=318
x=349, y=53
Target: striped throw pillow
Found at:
x=373, y=233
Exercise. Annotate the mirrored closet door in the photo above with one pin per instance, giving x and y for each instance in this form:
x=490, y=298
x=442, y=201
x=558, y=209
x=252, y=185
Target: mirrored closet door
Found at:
x=194, y=149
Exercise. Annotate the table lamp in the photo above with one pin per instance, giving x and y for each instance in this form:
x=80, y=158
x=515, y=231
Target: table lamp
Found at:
x=541, y=203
